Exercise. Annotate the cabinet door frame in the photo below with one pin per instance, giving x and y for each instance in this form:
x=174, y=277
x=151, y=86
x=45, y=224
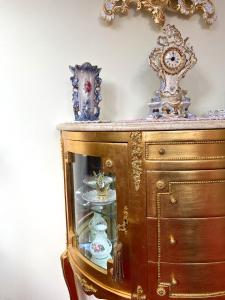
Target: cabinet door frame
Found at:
x=114, y=160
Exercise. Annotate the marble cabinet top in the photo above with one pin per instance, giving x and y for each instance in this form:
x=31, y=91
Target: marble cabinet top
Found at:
x=144, y=125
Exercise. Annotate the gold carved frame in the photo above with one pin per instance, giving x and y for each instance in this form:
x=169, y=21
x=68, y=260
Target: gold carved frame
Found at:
x=157, y=8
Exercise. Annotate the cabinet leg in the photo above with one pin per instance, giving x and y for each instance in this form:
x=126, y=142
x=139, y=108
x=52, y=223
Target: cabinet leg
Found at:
x=69, y=277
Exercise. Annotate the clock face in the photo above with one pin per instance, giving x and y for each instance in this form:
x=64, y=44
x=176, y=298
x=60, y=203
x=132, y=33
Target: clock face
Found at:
x=173, y=60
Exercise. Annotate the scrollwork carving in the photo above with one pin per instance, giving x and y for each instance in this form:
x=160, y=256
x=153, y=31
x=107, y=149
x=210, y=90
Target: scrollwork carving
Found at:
x=124, y=226
x=157, y=8
x=88, y=288
x=136, y=158
x=139, y=295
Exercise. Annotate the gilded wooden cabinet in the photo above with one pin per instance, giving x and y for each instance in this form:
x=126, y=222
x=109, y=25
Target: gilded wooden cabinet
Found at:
x=167, y=209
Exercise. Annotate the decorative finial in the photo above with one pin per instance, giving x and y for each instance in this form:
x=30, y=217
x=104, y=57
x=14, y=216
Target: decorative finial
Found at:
x=102, y=186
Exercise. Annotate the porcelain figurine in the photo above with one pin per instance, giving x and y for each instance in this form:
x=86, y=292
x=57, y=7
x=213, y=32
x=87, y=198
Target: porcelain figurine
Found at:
x=95, y=221
x=218, y=114
x=171, y=60
x=86, y=92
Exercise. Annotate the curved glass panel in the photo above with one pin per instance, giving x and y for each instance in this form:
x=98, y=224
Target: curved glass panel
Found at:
x=94, y=209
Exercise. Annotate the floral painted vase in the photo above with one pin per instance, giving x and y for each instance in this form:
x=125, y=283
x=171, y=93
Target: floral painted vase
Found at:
x=101, y=247
x=86, y=92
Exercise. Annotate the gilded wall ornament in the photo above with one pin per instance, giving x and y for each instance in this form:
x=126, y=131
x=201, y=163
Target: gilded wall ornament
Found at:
x=157, y=8
x=171, y=60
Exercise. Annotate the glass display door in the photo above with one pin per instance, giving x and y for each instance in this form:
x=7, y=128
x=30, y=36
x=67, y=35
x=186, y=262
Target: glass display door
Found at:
x=95, y=209
x=98, y=202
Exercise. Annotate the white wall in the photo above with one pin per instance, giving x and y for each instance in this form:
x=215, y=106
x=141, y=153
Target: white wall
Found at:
x=38, y=40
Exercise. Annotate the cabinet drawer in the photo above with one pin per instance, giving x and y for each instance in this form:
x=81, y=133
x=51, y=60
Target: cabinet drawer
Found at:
x=184, y=150
x=187, y=240
x=189, y=281
x=194, y=199
x=185, y=194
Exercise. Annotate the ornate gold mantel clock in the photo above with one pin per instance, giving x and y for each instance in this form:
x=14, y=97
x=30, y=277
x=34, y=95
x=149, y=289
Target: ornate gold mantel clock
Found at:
x=171, y=60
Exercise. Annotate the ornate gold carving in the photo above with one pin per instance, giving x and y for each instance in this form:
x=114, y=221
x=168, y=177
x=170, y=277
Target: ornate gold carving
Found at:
x=88, y=288
x=139, y=295
x=124, y=226
x=205, y=6
x=157, y=8
x=161, y=291
x=136, y=158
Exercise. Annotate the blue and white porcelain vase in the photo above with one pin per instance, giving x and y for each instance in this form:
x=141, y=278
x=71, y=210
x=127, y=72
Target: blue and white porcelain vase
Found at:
x=86, y=92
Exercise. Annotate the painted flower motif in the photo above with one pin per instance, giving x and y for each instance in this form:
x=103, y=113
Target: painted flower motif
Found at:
x=97, y=247
x=88, y=87
x=86, y=106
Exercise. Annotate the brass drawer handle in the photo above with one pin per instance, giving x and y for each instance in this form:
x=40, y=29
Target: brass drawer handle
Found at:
x=173, y=200
x=172, y=240
x=162, y=151
x=173, y=281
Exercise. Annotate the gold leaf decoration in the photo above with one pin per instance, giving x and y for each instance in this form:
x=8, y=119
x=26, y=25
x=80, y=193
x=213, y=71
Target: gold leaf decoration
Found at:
x=139, y=295
x=136, y=158
x=88, y=288
x=157, y=8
